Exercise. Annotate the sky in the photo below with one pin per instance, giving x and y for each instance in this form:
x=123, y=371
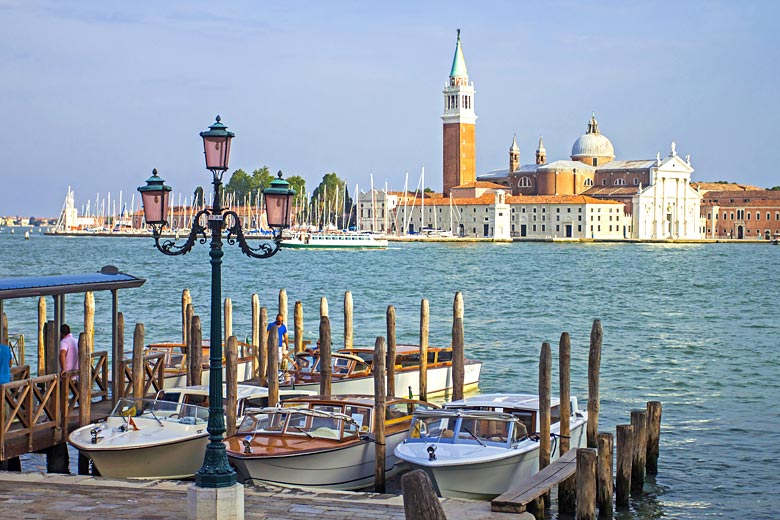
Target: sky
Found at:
x=95, y=94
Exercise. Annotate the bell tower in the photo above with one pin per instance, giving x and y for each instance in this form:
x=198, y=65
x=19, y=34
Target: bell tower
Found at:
x=460, y=158
x=514, y=156
x=541, y=153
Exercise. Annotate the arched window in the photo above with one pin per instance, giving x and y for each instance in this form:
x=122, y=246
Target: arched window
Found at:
x=524, y=182
x=620, y=181
x=588, y=182
x=636, y=181
x=603, y=182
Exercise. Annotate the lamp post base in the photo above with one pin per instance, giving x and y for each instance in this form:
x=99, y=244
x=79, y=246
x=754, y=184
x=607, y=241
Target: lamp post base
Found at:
x=224, y=503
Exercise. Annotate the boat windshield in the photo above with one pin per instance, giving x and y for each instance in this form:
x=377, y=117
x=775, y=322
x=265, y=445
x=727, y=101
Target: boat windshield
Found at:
x=161, y=411
x=465, y=429
x=322, y=422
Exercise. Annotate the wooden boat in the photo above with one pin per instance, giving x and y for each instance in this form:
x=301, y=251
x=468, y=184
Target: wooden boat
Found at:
x=159, y=438
x=352, y=373
x=318, y=442
x=478, y=447
x=335, y=241
x=176, y=361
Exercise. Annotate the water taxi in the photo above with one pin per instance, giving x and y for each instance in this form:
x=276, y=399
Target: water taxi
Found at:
x=335, y=241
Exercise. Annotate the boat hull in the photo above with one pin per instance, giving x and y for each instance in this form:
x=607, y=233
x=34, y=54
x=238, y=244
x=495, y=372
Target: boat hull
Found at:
x=439, y=382
x=486, y=480
x=346, y=468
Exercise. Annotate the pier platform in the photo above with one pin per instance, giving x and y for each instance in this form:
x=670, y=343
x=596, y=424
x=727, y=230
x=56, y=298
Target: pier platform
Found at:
x=52, y=496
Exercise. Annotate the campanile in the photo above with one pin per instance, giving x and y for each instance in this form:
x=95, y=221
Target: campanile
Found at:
x=460, y=157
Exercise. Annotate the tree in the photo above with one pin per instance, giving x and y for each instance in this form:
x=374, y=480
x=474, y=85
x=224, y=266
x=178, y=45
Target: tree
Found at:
x=243, y=186
x=262, y=178
x=197, y=197
x=774, y=188
x=327, y=201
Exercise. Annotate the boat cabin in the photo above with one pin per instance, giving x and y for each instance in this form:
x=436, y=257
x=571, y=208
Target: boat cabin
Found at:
x=249, y=396
x=467, y=427
x=406, y=356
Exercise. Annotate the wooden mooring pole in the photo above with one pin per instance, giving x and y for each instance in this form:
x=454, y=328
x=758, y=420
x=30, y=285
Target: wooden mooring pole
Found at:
x=186, y=299
x=283, y=305
x=391, y=345
x=348, y=334
x=545, y=389
x=380, y=398
x=262, y=351
x=323, y=306
x=118, y=374
x=639, y=425
x=228, y=320
x=458, y=348
x=89, y=320
x=273, y=365
x=85, y=394
x=653, y=436
x=138, y=362
x=298, y=326
x=594, y=366
x=566, y=489
x=196, y=350
x=586, y=484
x=625, y=452
x=189, y=312
x=41, y=337
x=424, y=328
x=420, y=499
x=256, y=335
x=325, y=358
x=231, y=386
x=604, y=475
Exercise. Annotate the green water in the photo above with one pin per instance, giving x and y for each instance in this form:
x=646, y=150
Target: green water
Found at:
x=694, y=326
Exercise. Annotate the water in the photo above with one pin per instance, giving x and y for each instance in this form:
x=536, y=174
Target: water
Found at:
x=694, y=326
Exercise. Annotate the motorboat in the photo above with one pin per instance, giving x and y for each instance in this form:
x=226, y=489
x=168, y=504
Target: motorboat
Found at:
x=350, y=240
x=161, y=438
x=478, y=447
x=318, y=442
x=176, y=360
x=351, y=371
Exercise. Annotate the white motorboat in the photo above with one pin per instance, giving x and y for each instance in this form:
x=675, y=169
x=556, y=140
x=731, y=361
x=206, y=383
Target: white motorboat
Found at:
x=176, y=361
x=335, y=241
x=351, y=371
x=318, y=442
x=478, y=447
x=159, y=438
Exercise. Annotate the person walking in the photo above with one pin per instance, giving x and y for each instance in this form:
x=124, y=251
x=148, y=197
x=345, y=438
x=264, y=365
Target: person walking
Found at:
x=69, y=350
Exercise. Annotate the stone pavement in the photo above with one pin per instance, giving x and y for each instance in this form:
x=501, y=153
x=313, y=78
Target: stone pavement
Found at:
x=37, y=495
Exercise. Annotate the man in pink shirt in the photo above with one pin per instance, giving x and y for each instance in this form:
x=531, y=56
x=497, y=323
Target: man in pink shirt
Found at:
x=69, y=350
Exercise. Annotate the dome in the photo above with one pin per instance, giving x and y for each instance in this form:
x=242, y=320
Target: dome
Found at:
x=592, y=144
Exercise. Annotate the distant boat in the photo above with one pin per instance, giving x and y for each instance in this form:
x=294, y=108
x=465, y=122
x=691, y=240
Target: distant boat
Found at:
x=12, y=231
x=335, y=241
x=27, y=235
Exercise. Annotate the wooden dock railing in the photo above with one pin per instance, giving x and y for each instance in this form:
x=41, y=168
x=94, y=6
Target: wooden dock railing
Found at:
x=153, y=373
x=28, y=407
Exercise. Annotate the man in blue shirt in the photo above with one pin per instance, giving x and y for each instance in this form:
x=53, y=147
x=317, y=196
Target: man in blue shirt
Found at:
x=282, y=329
x=5, y=364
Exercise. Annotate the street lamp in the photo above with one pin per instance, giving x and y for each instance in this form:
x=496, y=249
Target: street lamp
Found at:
x=216, y=472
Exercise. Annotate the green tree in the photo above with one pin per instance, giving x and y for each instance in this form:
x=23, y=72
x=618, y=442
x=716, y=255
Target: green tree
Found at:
x=261, y=178
x=774, y=188
x=240, y=184
x=327, y=202
x=197, y=197
x=298, y=184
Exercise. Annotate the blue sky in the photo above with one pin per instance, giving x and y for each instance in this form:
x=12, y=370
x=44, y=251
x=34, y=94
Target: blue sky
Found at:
x=97, y=93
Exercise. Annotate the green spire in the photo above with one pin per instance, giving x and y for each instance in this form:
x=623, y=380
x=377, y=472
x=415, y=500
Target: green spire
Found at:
x=458, y=63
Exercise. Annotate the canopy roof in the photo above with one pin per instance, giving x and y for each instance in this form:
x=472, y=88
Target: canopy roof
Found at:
x=107, y=279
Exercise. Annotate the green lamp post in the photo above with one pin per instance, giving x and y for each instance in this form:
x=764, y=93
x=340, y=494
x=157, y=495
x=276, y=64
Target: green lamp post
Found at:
x=216, y=472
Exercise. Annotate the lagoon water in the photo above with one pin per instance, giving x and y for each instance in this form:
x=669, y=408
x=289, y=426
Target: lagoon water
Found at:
x=692, y=325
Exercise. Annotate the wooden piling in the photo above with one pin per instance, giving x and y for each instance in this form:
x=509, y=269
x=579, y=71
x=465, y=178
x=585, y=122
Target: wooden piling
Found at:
x=639, y=425
x=625, y=451
x=118, y=385
x=380, y=398
x=348, y=336
x=228, y=319
x=51, y=358
x=604, y=475
x=186, y=299
x=85, y=378
x=189, y=312
x=298, y=326
x=566, y=489
x=323, y=306
x=391, y=344
x=653, y=436
x=594, y=366
x=256, y=335
x=262, y=351
x=231, y=386
x=424, y=328
x=272, y=367
x=458, y=348
x=89, y=320
x=4, y=328
x=545, y=398
x=586, y=484
x=41, y=336
x=283, y=305
x=420, y=500
x=325, y=359
x=196, y=351
x=138, y=361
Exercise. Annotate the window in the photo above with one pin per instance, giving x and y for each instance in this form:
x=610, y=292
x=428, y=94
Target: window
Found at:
x=636, y=181
x=557, y=210
x=534, y=227
x=579, y=218
x=758, y=215
x=557, y=227
x=595, y=161
x=568, y=210
x=588, y=182
x=524, y=182
x=543, y=227
x=603, y=182
x=579, y=228
x=620, y=182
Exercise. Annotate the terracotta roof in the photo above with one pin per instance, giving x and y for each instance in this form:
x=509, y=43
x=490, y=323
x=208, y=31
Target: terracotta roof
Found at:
x=719, y=186
x=486, y=198
x=557, y=199
x=611, y=191
x=480, y=184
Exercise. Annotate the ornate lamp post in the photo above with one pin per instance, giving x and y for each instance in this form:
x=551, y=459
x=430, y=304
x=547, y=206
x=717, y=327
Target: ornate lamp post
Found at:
x=216, y=472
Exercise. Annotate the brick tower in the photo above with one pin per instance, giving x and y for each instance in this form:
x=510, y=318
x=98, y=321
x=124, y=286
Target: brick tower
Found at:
x=460, y=157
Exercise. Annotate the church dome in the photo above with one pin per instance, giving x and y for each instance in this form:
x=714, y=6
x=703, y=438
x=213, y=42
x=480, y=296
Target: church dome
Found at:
x=592, y=144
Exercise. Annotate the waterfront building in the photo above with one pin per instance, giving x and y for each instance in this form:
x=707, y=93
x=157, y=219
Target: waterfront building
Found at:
x=734, y=211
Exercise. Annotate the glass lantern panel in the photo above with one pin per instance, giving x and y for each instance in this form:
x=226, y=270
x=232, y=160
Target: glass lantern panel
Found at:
x=155, y=206
x=217, y=152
